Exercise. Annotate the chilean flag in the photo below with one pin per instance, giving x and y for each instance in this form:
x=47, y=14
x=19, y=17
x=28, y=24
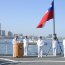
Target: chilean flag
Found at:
x=48, y=15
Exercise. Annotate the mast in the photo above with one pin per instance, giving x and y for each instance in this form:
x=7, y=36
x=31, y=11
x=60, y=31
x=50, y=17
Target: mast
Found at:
x=54, y=34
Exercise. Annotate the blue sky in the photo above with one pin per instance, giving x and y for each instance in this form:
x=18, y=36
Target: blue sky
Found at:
x=22, y=16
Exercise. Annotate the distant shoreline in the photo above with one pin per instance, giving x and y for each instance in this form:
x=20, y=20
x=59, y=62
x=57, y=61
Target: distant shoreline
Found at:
x=6, y=37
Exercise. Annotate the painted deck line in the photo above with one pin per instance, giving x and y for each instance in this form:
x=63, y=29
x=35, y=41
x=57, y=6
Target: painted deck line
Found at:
x=7, y=59
x=41, y=61
x=29, y=61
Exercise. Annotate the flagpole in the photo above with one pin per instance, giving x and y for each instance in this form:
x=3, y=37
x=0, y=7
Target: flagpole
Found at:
x=54, y=34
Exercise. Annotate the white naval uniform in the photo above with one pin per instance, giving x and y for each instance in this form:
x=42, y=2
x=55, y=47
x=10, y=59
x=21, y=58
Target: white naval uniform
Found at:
x=14, y=41
x=54, y=43
x=64, y=46
x=25, y=41
x=40, y=44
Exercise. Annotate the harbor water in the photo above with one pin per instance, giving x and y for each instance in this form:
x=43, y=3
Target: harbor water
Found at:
x=6, y=47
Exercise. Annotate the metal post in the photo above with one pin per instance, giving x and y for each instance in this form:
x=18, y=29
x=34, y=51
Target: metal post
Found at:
x=6, y=47
x=54, y=34
x=0, y=49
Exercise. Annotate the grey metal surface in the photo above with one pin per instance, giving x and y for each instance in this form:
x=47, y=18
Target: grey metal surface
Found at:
x=30, y=60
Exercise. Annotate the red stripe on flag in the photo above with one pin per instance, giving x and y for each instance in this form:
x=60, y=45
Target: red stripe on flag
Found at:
x=48, y=15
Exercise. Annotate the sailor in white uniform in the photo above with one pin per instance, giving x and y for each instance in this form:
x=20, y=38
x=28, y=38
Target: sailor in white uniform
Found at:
x=15, y=40
x=25, y=41
x=64, y=46
x=54, y=46
x=40, y=44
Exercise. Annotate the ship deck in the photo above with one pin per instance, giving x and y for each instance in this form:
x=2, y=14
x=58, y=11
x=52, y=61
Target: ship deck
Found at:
x=30, y=60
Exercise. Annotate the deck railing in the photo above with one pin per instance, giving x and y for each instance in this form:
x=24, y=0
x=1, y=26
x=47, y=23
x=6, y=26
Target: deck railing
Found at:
x=6, y=48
